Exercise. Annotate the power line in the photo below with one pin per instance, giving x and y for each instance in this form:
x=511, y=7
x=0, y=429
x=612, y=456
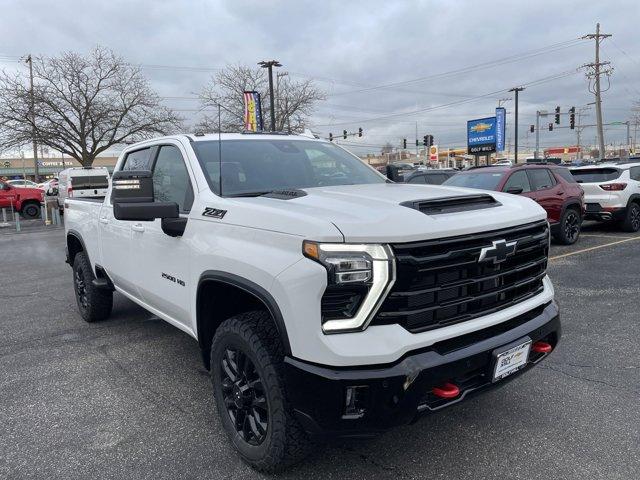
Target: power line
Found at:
x=451, y=104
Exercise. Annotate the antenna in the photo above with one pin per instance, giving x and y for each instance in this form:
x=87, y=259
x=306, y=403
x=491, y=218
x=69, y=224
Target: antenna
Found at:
x=220, y=146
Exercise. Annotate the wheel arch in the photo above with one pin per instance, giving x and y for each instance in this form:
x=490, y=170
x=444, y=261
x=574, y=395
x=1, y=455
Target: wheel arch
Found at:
x=240, y=295
x=571, y=203
x=74, y=245
x=634, y=198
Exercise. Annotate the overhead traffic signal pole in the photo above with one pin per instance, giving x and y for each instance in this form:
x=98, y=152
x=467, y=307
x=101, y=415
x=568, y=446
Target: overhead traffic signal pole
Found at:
x=515, y=123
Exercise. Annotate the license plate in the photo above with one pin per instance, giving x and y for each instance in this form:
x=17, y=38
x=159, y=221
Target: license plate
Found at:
x=511, y=360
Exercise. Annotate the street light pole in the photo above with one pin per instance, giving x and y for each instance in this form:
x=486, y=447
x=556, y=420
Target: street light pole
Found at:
x=36, y=173
x=269, y=64
x=515, y=123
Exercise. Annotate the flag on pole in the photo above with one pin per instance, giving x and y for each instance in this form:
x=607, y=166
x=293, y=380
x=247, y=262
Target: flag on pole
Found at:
x=252, y=112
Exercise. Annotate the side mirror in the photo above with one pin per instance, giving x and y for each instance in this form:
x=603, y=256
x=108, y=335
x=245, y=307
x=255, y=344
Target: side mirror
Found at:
x=133, y=198
x=515, y=190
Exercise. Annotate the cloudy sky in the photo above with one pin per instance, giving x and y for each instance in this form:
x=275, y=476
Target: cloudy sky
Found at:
x=383, y=65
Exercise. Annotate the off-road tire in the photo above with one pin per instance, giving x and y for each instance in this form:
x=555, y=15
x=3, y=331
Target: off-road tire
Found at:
x=94, y=303
x=285, y=442
x=30, y=210
x=569, y=227
x=631, y=222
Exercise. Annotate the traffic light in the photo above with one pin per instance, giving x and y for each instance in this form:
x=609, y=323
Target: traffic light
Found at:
x=417, y=142
x=360, y=132
x=425, y=140
x=532, y=128
x=430, y=139
x=557, y=115
x=331, y=137
x=572, y=118
x=344, y=134
x=551, y=127
x=404, y=143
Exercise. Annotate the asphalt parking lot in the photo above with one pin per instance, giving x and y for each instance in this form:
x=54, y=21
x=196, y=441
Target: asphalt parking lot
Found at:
x=129, y=398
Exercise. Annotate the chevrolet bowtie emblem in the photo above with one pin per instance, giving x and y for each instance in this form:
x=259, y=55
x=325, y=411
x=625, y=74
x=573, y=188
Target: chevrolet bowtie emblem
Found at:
x=498, y=252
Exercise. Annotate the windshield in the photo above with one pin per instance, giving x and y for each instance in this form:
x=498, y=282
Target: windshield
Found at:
x=592, y=175
x=481, y=180
x=255, y=167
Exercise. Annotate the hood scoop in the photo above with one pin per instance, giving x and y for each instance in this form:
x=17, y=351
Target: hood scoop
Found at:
x=286, y=194
x=466, y=203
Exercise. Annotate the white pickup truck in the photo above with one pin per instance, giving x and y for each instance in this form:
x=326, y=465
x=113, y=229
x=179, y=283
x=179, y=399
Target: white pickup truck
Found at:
x=326, y=300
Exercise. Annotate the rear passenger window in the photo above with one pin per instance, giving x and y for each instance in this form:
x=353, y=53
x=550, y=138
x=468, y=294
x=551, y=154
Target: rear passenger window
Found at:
x=171, y=181
x=418, y=179
x=540, y=179
x=634, y=173
x=138, y=160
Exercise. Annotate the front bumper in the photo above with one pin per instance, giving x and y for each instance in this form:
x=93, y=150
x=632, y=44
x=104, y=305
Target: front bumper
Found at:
x=397, y=394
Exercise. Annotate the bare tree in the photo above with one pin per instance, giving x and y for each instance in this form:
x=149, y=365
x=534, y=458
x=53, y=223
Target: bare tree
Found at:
x=82, y=105
x=294, y=100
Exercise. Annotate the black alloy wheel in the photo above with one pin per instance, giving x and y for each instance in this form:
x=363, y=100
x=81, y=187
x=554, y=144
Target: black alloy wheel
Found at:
x=572, y=226
x=244, y=396
x=81, y=289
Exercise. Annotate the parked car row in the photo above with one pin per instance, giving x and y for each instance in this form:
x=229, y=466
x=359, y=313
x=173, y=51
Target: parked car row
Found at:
x=608, y=191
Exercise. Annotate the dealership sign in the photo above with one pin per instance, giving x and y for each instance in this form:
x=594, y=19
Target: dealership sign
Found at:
x=501, y=121
x=433, y=153
x=481, y=135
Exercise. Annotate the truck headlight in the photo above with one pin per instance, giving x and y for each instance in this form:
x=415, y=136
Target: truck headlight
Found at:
x=365, y=268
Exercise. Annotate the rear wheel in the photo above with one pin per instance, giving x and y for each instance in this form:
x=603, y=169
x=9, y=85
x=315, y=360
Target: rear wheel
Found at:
x=569, y=228
x=631, y=222
x=248, y=384
x=94, y=303
x=31, y=210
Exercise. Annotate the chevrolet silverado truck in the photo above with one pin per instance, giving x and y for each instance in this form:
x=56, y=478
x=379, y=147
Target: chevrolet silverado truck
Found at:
x=326, y=300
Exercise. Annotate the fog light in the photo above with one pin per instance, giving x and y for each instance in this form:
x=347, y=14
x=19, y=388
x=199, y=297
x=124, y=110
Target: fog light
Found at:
x=355, y=402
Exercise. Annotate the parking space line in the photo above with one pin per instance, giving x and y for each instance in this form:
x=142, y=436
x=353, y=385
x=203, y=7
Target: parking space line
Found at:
x=594, y=248
x=603, y=236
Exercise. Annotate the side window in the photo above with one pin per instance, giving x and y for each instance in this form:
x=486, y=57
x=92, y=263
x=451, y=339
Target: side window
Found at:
x=565, y=174
x=138, y=160
x=3, y=186
x=171, y=181
x=634, y=173
x=540, y=179
x=421, y=179
x=518, y=180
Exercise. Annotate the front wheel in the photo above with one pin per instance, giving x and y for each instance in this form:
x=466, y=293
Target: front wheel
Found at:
x=631, y=221
x=569, y=228
x=249, y=389
x=94, y=303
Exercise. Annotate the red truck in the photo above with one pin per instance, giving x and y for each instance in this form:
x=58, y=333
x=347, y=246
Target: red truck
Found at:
x=24, y=200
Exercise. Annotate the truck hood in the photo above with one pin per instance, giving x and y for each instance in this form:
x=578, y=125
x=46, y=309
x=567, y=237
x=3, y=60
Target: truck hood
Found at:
x=374, y=213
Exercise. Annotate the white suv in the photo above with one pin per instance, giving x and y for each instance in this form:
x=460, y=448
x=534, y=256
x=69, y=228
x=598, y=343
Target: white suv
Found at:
x=612, y=192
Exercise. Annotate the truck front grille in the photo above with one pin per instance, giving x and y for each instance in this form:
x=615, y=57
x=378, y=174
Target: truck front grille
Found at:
x=442, y=282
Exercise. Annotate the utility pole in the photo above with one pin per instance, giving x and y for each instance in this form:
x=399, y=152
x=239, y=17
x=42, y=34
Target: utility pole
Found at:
x=36, y=173
x=417, y=142
x=515, y=123
x=269, y=64
x=597, y=90
x=628, y=136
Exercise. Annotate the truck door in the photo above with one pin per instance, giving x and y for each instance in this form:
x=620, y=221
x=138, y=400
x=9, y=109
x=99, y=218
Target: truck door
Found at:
x=115, y=235
x=162, y=262
x=7, y=196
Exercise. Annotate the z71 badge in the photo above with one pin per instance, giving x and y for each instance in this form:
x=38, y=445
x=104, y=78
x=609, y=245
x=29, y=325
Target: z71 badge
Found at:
x=213, y=212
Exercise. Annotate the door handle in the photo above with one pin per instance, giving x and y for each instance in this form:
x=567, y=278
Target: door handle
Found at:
x=137, y=227
x=104, y=220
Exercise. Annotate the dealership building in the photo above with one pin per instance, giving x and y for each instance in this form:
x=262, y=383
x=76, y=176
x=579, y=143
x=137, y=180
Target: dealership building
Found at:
x=47, y=167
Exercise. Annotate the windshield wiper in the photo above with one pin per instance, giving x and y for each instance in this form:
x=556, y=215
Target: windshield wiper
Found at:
x=249, y=194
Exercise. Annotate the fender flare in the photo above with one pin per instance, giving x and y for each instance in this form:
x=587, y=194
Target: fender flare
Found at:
x=569, y=203
x=77, y=236
x=633, y=198
x=254, y=289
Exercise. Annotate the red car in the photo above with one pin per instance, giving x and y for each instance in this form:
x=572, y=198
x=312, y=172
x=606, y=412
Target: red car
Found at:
x=552, y=186
x=24, y=200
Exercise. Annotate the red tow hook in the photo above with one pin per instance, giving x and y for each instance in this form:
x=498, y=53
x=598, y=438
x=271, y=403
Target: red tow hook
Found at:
x=448, y=390
x=541, y=347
